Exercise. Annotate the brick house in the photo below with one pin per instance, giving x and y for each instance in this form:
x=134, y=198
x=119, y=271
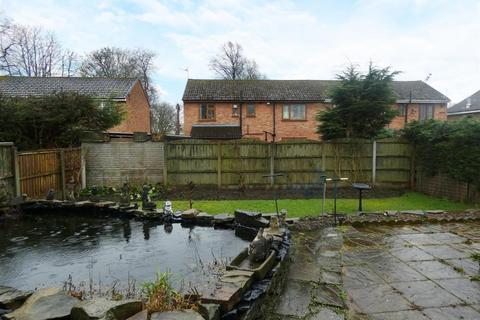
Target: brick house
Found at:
x=468, y=107
x=286, y=108
x=127, y=92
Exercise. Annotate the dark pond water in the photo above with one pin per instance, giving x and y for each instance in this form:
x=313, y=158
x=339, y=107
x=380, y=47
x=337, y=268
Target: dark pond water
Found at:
x=43, y=250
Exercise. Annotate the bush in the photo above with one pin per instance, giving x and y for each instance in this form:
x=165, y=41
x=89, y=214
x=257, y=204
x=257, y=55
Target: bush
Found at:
x=55, y=121
x=450, y=147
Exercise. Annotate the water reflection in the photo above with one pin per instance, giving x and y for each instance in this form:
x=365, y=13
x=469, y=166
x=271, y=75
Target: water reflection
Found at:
x=44, y=250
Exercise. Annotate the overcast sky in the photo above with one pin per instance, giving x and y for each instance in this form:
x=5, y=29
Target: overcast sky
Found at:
x=288, y=39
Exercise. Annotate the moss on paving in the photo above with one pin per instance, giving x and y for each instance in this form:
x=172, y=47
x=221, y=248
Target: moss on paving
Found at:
x=312, y=207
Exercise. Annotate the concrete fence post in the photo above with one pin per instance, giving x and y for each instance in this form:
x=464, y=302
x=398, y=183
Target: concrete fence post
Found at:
x=272, y=163
x=62, y=174
x=219, y=165
x=16, y=170
x=165, y=162
x=324, y=154
x=83, y=168
x=374, y=162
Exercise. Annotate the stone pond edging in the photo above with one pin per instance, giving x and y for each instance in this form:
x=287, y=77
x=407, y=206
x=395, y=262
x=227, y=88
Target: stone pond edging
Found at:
x=388, y=217
x=239, y=294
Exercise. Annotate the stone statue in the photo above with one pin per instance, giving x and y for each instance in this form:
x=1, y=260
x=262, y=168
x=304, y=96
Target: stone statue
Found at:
x=274, y=224
x=125, y=195
x=259, y=248
x=70, y=185
x=50, y=195
x=147, y=204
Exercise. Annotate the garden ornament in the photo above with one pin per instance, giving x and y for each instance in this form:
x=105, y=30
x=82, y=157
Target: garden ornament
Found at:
x=50, y=195
x=259, y=248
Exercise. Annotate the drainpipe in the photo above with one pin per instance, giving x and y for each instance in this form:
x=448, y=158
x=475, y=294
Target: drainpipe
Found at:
x=406, y=108
x=241, y=114
x=274, y=129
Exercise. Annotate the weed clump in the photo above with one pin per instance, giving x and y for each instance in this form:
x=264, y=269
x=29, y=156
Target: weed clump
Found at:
x=161, y=296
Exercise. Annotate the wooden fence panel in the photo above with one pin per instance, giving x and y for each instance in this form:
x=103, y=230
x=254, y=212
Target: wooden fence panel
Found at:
x=42, y=170
x=237, y=163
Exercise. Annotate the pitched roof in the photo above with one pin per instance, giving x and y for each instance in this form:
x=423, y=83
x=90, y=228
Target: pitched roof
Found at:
x=216, y=131
x=293, y=90
x=467, y=105
x=117, y=88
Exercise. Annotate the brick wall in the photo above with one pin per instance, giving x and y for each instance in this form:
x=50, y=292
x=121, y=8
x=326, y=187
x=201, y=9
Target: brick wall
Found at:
x=413, y=114
x=443, y=186
x=137, y=109
x=253, y=127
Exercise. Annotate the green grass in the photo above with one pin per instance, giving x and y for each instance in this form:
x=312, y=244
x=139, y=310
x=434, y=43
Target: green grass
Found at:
x=311, y=207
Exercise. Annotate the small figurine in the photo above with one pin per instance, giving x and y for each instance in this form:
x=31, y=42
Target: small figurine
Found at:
x=50, y=195
x=283, y=218
x=168, y=211
x=259, y=248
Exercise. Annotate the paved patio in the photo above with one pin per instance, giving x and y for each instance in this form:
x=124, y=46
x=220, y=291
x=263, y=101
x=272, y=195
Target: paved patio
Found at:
x=384, y=272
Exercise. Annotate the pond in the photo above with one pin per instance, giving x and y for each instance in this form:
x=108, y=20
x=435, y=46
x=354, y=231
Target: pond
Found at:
x=44, y=250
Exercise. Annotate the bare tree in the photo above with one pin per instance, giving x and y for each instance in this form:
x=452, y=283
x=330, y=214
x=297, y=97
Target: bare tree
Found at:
x=163, y=117
x=69, y=63
x=6, y=43
x=118, y=62
x=231, y=64
x=30, y=51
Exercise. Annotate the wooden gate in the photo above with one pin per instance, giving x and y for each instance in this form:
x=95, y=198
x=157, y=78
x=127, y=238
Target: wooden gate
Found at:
x=42, y=170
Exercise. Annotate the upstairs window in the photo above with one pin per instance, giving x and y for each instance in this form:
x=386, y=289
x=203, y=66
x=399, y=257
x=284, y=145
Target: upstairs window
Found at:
x=235, y=110
x=294, y=112
x=250, y=110
x=207, y=112
x=426, y=112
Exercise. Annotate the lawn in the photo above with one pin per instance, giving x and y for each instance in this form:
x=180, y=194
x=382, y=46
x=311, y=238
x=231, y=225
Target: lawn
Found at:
x=311, y=207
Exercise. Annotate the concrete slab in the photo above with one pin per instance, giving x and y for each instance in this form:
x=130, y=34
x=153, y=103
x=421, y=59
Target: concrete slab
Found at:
x=378, y=299
x=326, y=314
x=329, y=295
x=453, y=313
x=465, y=289
x=410, y=254
x=394, y=270
x=426, y=294
x=444, y=251
x=294, y=301
x=400, y=315
x=432, y=238
x=468, y=266
x=435, y=270
x=304, y=271
x=357, y=277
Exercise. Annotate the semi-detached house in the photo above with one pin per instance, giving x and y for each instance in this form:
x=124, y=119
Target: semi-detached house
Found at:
x=286, y=109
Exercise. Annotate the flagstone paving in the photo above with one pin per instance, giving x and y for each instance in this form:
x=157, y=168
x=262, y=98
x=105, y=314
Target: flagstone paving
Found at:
x=426, y=277
x=422, y=272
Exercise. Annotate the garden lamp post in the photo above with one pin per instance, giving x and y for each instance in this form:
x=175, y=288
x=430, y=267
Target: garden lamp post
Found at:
x=273, y=176
x=335, y=180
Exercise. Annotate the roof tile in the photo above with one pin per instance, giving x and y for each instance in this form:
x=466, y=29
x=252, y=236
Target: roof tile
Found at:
x=117, y=88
